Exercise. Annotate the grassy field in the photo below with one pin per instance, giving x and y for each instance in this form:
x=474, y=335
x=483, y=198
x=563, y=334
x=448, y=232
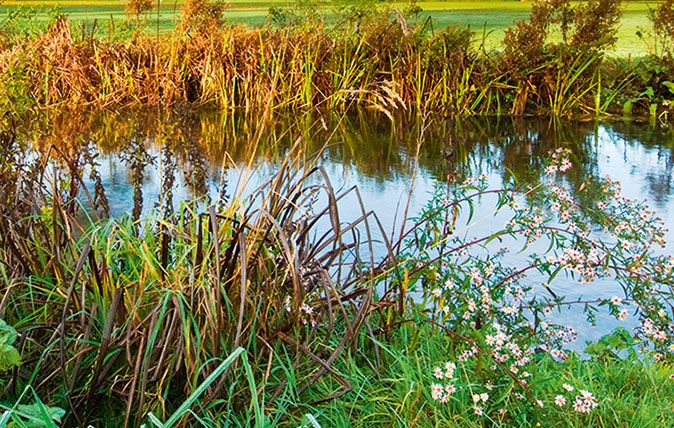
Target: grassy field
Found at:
x=485, y=17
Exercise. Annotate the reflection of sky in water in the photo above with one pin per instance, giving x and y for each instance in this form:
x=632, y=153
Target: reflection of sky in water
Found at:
x=645, y=171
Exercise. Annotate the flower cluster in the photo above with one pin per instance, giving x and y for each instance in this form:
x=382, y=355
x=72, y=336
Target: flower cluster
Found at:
x=507, y=351
x=504, y=357
x=442, y=392
x=474, y=292
x=584, y=401
x=559, y=161
x=305, y=311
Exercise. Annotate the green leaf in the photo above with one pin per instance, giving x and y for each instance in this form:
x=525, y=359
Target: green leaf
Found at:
x=496, y=235
x=648, y=93
x=312, y=420
x=669, y=85
x=653, y=109
x=7, y=333
x=184, y=408
x=627, y=107
x=9, y=357
x=36, y=415
x=554, y=274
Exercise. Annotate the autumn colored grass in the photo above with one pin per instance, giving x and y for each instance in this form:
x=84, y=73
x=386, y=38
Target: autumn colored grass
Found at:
x=393, y=63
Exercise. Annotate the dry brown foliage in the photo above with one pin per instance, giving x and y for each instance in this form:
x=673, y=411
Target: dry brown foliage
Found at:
x=663, y=24
x=592, y=24
x=595, y=24
x=135, y=8
x=202, y=14
x=524, y=43
x=385, y=65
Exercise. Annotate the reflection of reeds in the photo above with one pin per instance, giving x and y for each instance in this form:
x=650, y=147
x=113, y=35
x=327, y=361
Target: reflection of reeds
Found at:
x=385, y=65
x=376, y=148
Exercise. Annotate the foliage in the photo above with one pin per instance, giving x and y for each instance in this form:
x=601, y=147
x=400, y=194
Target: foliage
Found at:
x=135, y=8
x=130, y=318
x=566, y=73
x=525, y=41
x=283, y=17
x=384, y=60
x=595, y=24
x=663, y=24
x=650, y=89
x=352, y=13
x=22, y=415
x=35, y=415
x=396, y=391
x=9, y=355
x=250, y=273
x=202, y=15
x=146, y=308
x=23, y=23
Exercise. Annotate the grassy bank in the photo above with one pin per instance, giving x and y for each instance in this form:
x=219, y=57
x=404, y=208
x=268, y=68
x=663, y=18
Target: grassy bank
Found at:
x=384, y=60
x=394, y=393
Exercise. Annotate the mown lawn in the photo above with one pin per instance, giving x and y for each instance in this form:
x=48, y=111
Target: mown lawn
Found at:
x=495, y=16
x=488, y=18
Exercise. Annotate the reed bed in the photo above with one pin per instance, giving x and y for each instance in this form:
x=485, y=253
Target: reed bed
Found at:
x=380, y=61
x=136, y=315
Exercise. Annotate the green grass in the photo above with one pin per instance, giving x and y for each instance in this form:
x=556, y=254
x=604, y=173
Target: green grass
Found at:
x=492, y=17
x=397, y=393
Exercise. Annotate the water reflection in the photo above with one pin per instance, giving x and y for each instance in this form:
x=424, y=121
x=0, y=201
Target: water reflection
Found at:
x=147, y=161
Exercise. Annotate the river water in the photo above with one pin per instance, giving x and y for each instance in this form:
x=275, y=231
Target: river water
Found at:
x=395, y=165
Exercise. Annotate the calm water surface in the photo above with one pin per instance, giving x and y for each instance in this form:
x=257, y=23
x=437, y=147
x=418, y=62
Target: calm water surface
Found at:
x=146, y=162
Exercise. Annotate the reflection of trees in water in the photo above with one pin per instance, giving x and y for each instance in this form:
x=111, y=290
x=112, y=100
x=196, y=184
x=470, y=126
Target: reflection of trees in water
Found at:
x=90, y=155
x=65, y=141
x=136, y=157
x=168, y=177
x=195, y=171
x=200, y=145
x=659, y=179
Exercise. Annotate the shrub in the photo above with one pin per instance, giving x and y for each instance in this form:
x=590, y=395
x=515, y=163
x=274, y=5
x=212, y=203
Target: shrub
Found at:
x=663, y=25
x=135, y=8
x=524, y=43
x=503, y=317
x=595, y=25
x=201, y=15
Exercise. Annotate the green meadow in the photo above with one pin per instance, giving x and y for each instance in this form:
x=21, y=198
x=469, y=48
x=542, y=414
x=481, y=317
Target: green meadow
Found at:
x=489, y=19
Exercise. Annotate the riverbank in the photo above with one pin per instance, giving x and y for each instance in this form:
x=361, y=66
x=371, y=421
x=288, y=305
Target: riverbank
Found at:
x=493, y=17
x=381, y=61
